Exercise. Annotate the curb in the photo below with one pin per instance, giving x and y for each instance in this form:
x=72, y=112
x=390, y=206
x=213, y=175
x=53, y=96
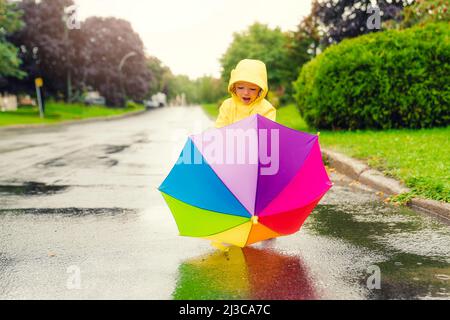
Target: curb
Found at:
x=71, y=122
x=358, y=170
x=441, y=209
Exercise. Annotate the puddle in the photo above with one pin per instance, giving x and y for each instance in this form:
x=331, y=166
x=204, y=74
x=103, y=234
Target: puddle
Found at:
x=111, y=162
x=415, y=249
x=353, y=224
x=110, y=149
x=411, y=276
x=31, y=189
x=7, y=277
x=92, y=156
x=69, y=211
x=143, y=140
x=18, y=146
x=56, y=162
x=4, y=261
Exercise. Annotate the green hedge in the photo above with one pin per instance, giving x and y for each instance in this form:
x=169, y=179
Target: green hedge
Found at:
x=383, y=80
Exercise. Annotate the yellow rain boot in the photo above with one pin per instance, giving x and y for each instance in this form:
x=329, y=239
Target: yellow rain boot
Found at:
x=220, y=245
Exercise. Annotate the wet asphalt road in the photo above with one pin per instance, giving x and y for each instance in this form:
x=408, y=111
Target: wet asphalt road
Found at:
x=80, y=218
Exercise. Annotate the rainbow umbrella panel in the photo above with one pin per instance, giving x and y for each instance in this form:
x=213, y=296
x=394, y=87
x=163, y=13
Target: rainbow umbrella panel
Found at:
x=246, y=182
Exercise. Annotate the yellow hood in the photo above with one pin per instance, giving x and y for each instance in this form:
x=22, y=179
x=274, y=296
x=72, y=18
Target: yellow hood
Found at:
x=232, y=109
x=253, y=71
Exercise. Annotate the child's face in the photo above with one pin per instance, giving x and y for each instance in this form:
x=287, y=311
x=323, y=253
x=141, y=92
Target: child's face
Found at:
x=246, y=91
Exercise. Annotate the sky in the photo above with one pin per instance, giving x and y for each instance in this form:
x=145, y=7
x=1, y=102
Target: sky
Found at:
x=190, y=36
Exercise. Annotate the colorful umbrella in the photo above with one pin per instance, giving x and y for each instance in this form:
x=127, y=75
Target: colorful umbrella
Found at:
x=245, y=273
x=246, y=182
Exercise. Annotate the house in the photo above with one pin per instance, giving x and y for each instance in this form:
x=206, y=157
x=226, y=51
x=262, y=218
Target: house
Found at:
x=8, y=102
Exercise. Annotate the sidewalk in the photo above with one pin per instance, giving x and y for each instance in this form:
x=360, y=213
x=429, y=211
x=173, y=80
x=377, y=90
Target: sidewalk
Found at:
x=70, y=122
x=361, y=172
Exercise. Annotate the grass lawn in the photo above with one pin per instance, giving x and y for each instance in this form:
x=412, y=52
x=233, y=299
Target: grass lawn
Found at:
x=59, y=111
x=419, y=158
x=287, y=116
x=211, y=109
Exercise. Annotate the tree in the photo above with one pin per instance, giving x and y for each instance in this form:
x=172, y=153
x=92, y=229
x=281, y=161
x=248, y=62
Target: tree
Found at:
x=71, y=60
x=181, y=84
x=161, y=76
x=304, y=45
x=209, y=89
x=48, y=49
x=425, y=11
x=268, y=45
x=205, y=89
x=108, y=42
x=9, y=22
x=340, y=19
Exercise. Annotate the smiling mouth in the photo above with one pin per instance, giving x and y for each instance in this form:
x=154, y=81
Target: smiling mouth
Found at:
x=246, y=100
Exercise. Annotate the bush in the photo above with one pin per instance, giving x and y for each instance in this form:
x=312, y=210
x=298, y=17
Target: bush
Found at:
x=134, y=105
x=383, y=80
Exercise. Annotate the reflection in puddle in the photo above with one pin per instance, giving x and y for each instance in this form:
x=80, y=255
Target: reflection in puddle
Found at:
x=247, y=273
x=31, y=188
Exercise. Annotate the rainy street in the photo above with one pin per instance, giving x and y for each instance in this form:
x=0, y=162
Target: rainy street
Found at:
x=81, y=218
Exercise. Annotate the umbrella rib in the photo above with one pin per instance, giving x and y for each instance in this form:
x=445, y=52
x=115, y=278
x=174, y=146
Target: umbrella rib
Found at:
x=291, y=129
x=287, y=185
x=195, y=206
x=224, y=230
x=225, y=185
x=312, y=138
x=257, y=173
x=248, y=236
x=216, y=175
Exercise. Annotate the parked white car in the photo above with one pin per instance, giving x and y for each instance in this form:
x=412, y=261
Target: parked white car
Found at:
x=94, y=98
x=151, y=104
x=158, y=100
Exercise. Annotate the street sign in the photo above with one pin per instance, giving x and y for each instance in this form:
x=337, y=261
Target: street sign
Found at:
x=39, y=82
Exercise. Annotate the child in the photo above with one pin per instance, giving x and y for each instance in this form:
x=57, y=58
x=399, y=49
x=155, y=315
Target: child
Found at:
x=248, y=88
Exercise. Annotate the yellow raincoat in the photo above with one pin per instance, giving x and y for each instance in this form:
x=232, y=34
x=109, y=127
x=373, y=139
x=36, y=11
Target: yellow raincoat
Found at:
x=233, y=109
